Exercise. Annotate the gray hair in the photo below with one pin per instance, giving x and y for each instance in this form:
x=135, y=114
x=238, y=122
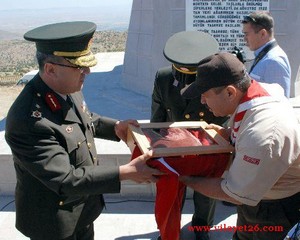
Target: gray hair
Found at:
x=43, y=58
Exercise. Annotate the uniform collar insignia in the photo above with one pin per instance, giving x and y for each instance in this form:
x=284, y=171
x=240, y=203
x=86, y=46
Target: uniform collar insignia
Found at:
x=52, y=102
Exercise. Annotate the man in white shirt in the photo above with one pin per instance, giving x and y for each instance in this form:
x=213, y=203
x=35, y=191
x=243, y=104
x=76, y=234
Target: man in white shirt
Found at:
x=271, y=64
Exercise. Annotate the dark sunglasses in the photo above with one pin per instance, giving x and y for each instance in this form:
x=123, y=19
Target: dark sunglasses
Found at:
x=248, y=19
x=81, y=69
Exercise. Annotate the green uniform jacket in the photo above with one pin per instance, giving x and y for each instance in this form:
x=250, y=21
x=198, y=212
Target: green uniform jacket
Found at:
x=59, y=185
x=169, y=106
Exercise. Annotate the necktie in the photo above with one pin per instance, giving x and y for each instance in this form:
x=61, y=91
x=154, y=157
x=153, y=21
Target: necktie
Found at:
x=71, y=103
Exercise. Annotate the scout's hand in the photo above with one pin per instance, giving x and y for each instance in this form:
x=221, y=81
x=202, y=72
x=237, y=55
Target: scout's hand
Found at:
x=224, y=132
x=137, y=170
x=122, y=126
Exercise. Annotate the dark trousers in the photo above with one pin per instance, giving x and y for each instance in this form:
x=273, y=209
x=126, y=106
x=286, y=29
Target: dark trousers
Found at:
x=204, y=210
x=268, y=220
x=85, y=233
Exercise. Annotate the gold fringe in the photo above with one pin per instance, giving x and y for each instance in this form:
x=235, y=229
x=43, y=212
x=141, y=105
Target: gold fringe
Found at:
x=75, y=54
x=72, y=54
x=84, y=61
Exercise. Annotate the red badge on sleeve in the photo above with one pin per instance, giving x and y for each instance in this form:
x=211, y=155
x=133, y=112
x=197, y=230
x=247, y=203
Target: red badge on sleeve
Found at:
x=251, y=160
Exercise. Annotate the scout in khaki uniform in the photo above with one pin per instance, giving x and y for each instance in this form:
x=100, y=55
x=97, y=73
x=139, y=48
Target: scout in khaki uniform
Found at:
x=264, y=178
x=51, y=131
x=185, y=50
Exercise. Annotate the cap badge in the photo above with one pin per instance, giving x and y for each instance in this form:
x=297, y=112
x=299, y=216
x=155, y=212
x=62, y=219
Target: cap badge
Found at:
x=52, y=102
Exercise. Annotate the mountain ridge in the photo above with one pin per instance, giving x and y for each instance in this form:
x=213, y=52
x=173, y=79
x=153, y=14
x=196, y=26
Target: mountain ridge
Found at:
x=18, y=56
x=6, y=35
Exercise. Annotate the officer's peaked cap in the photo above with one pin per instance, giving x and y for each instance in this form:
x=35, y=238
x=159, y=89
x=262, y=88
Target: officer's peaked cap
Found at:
x=188, y=48
x=70, y=40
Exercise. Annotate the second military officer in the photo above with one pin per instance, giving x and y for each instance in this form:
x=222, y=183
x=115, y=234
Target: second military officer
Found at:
x=185, y=50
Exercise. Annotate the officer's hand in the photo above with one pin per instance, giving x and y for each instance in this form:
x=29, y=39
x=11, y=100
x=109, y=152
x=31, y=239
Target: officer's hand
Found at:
x=122, y=126
x=137, y=170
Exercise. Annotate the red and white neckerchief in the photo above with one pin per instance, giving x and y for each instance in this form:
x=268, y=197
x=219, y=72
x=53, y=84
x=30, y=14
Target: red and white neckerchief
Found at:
x=256, y=95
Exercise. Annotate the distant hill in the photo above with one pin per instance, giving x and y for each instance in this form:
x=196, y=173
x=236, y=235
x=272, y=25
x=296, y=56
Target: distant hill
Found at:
x=6, y=35
x=18, y=55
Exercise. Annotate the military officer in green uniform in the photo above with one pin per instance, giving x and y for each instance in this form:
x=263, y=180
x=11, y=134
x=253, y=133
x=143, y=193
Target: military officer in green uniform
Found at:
x=51, y=134
x=185, y=50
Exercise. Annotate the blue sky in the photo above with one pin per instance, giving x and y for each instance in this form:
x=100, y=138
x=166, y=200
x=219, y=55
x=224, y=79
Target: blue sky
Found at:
x=40, y=4
x=18, y=16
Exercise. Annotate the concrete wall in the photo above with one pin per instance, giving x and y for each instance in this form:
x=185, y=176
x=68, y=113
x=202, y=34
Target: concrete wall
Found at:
x=152, y=22
x=287, y=33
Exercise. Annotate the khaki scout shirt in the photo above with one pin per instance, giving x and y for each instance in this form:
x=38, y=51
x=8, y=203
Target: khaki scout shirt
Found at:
x=267, y=162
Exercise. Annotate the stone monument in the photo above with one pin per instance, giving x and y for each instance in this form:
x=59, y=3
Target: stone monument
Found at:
x=152, y=22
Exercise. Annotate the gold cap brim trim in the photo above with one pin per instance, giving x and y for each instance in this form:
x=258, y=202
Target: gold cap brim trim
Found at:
x=179, y=69
x=84, y=61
